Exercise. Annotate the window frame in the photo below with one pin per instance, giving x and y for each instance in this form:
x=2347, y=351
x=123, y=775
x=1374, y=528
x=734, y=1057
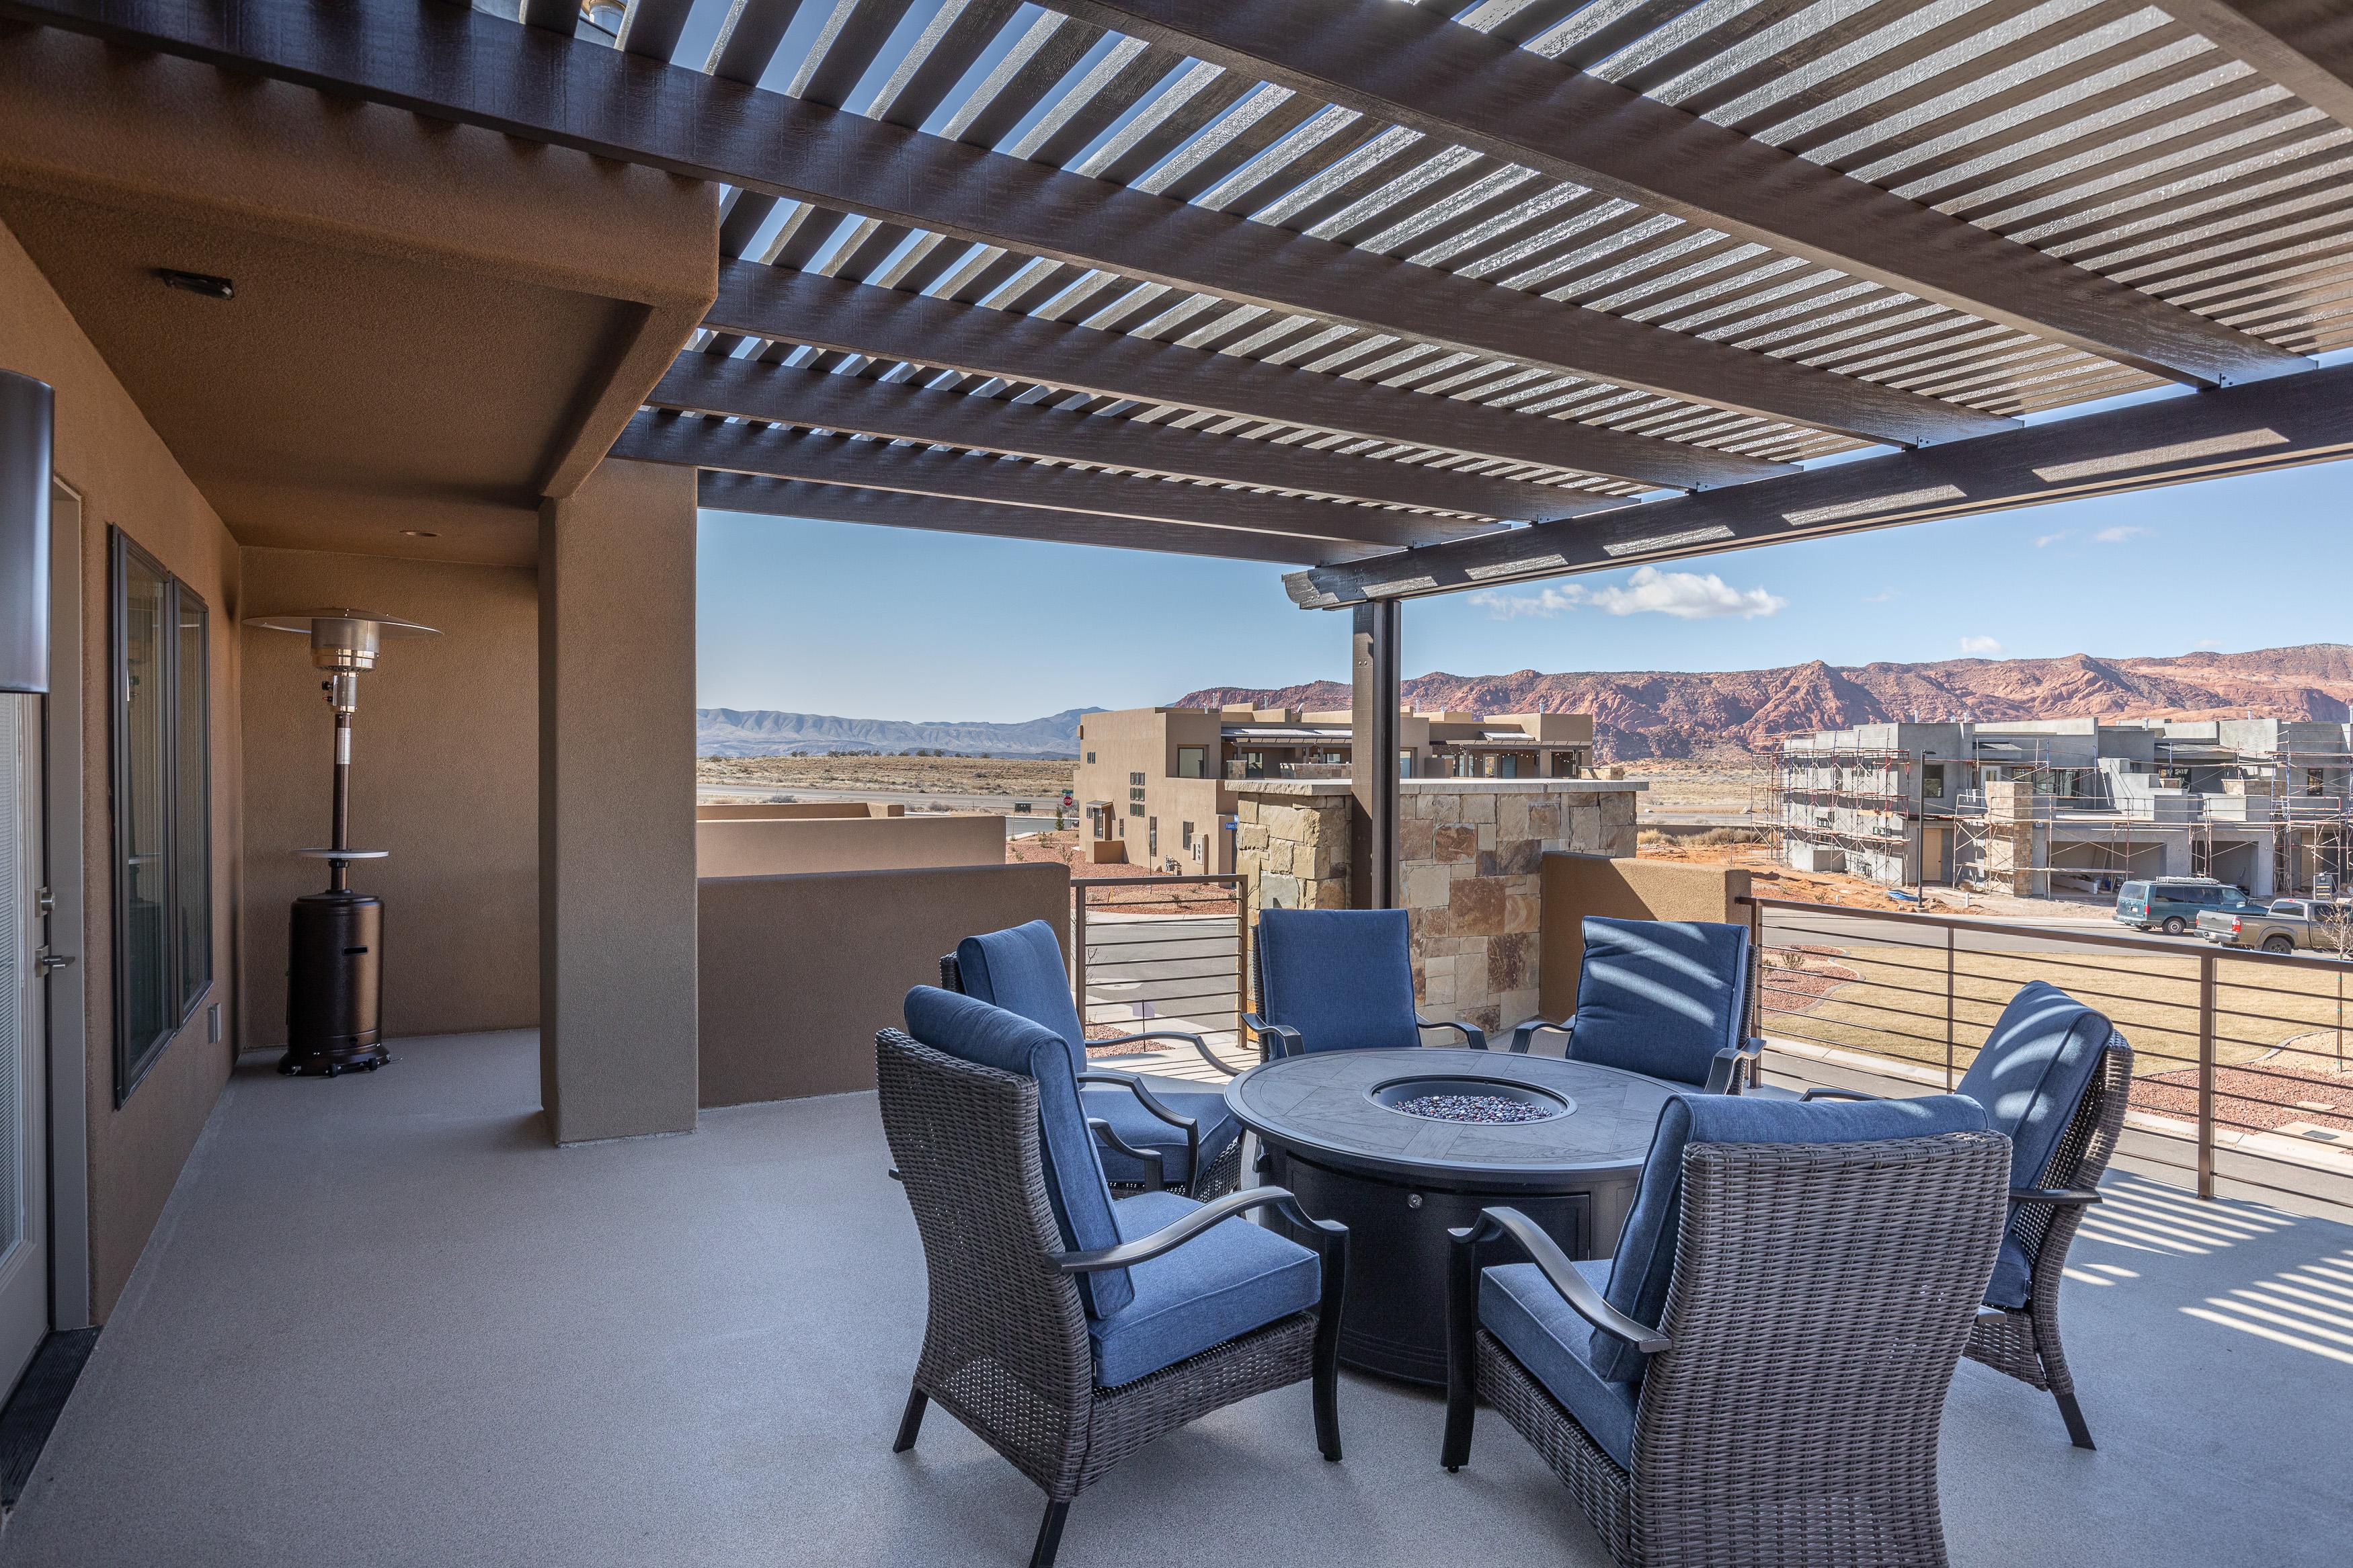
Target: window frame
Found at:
x=185, y=995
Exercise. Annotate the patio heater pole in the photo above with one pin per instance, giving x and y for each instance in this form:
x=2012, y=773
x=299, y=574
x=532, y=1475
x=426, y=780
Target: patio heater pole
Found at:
x=335, y=973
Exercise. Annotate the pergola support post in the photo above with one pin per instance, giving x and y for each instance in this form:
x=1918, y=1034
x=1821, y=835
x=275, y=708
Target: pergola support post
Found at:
x=1373, y=765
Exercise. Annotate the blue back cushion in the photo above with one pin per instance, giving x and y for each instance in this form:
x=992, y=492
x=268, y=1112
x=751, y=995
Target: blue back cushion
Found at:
x=1646, y=1250
x=1021, y=971
x=1661, y=997
x=1343, y=978
x=2030, y=1076
x=971, y=1030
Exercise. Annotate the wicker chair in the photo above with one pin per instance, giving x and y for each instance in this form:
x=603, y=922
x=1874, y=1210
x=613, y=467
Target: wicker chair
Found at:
x=1620, y=1021
x=1153, y=1139
x=1337, y=980
x=1014, y=1344
x=2054, y=1076
x=1785, y=1409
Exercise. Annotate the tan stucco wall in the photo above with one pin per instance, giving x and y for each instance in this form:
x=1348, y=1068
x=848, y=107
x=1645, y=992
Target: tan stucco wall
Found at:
x=1623, y=887
x=444, y=774
x=127, y=478
x=799, y=972
x=617, y=895
x=782, y=846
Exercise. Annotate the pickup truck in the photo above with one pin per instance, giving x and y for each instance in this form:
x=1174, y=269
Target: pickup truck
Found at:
x=2288, y=924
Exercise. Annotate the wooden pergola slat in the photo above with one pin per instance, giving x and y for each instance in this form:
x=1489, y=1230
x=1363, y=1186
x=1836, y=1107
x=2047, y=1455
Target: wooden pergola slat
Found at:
x=713, y=383
x=855, y=318
x=2282, y=423
x=835, y=503
x=2305, y=46
x=1416, y=67
x=718, y=444
x=449, y=62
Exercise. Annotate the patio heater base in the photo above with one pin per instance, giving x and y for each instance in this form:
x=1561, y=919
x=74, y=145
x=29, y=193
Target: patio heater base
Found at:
x=334, y=976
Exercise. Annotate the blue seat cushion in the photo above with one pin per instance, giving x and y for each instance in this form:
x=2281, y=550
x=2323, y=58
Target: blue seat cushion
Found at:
x=1343, y=978
x=971, y=1030
x=2030, y=1076
x=1646, y=1248
x=1141, y=1128
x=1022, y=971
x=1231, y=1279
x=1661, y=997
x=1521, y=1309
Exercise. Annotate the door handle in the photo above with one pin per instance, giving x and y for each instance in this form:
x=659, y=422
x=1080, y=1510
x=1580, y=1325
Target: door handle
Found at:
x=45, y=963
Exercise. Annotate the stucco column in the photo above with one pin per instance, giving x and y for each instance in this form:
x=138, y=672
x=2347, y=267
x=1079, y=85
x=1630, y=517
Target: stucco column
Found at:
x=616, y=889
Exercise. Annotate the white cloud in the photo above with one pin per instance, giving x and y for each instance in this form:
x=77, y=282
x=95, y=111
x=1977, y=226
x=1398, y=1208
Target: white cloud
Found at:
x=2207, y=644
x=1686, y=596
x=1980, y=646
x=1881, y=597
x=2044, y=542
x=2119, y=535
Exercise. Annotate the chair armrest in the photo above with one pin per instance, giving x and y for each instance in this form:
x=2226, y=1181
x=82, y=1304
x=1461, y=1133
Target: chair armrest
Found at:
x=1524, y=1034
x=1558, y=1272
x=1724, y=1073
x=1152, y=1102
x=1195, y=1041
x=1473, y=1036
x=1327, y=1232
x=1838, y=1094
x=2057, y=1197
x=1283, y=1035
x=1155, y=1169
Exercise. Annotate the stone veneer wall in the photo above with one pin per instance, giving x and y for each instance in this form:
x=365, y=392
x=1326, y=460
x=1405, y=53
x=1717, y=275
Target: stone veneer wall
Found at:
x=1470, y=869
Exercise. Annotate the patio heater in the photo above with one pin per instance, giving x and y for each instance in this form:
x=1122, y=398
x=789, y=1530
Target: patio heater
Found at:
x=335, y=971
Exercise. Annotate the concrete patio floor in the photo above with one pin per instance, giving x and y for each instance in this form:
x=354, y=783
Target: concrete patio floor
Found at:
x=383, y=1323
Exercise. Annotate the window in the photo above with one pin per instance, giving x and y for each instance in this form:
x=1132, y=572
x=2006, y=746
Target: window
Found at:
x=1191, y=761
x=1090, y=757
x=1135, y=778
x=1187, y=837
x=1931, y=782
x=162, y=811
x=1135, y=808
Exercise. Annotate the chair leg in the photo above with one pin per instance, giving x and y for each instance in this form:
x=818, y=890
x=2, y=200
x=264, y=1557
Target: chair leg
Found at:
x=1049, y=1535
x=1327, y=1398
x=1461, y=1413
x=2069, y=1411
x=913, y=1421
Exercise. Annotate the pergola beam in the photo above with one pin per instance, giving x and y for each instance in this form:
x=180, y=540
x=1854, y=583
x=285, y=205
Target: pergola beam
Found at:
x=835, y=503
x=1416, y=67
x=2283, y=423
x=2305, y=46
x=452, y=63
x=714, y=384
x=844, y=460
x=888, y=323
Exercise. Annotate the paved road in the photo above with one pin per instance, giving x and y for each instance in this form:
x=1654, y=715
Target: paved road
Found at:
x=1783, y=926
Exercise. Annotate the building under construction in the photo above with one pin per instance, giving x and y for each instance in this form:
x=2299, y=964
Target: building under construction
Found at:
x=2067, y=806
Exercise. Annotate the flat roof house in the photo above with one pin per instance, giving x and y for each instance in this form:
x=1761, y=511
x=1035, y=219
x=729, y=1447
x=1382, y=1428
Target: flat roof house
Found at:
x=457, y=313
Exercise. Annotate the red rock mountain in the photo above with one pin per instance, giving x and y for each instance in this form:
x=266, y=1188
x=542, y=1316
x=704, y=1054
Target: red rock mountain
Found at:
x=1659, y=713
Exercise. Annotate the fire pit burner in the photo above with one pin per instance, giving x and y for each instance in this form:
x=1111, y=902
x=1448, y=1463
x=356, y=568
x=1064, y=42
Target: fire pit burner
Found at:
x=1488, y=1108
x=1483, y=1101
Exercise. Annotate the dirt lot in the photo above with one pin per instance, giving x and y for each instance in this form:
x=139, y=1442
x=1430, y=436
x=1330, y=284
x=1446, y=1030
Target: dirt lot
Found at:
x=1716, y=788
x=888, y=775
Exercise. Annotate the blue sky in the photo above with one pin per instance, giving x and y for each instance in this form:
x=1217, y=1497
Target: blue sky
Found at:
x=879, y=622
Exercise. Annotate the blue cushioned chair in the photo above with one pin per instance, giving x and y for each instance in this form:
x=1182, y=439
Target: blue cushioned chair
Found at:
x=1065, y=1328
x=1338, y=980
x=1778, y=1329
x=1150, y=1137
x=2053, y=1076
x=1665, y=998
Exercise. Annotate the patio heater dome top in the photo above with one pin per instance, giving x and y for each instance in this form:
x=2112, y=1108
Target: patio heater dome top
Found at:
x=342, y=638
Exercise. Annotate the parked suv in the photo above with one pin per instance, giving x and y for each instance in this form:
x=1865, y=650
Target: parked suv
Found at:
x=2173, y=904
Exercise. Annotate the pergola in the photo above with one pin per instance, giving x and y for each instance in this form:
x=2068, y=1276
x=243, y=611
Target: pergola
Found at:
x=1426, y=298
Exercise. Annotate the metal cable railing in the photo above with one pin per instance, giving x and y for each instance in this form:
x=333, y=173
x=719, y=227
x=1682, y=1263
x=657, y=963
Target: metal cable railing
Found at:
x=1162, y=953
x=2227, y=1043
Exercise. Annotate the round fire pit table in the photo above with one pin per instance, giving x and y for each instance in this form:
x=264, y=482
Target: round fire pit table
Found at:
x=1402, y=1145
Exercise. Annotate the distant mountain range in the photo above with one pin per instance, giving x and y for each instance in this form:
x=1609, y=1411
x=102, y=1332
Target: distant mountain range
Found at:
x=764, y=732
x=1661, y=713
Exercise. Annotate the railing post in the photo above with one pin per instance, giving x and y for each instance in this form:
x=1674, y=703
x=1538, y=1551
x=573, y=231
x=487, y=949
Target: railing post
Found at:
x=1241, y=961
x=2206, y=1075
x=1949, y=1079
x=1079, y=951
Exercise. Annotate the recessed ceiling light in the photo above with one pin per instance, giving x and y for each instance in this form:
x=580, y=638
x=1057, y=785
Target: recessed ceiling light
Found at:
x=420, y=533
x=203, y=283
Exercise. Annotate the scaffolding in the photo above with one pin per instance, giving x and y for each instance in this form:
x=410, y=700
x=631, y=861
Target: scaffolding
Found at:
x=1867, y=789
